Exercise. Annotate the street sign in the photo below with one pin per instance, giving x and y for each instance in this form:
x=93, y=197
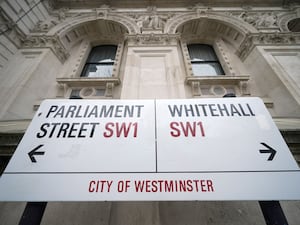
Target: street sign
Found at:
x=181, y=149
x=88, y=136
x=230, y=134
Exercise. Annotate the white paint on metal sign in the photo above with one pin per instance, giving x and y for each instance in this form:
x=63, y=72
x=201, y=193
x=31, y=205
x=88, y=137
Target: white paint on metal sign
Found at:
x=184, y=149
x=219, y=135
x=88, y=136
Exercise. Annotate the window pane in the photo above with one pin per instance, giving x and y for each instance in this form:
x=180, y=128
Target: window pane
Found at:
x=75, y=94
x=100, y=61
x=207, y=69
x=199, y=52
x=98, y=70
x=103, y=53
x=204, y=60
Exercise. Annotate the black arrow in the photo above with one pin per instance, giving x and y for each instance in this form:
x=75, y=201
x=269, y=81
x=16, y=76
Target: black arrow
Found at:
x=270, y=150
x=34, y=152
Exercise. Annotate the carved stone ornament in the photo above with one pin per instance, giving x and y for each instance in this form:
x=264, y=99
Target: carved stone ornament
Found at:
x=152, y=39
x=201, y=9
x=109, y=89
x=103, y=11
x=62, y=14
x=151, y=22
x=259, y=39
x=156, y=27
x=259, y=19
x=44, y=26
x=44, y=41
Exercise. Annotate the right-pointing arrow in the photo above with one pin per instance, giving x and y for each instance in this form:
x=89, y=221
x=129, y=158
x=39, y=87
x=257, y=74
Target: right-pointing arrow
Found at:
x=270, y=150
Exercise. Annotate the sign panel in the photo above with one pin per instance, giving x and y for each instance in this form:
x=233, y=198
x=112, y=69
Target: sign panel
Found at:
x=183, y=149
x=88, y=136
x=230, y=134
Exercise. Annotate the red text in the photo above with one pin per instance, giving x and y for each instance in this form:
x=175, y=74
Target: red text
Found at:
x=121, y=129
x=187, y=129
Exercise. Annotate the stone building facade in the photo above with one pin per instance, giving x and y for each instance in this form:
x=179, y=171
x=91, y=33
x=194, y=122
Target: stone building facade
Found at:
x=45, y=47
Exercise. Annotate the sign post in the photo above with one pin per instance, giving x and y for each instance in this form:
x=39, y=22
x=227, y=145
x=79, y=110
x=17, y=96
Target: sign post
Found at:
x=151, y=150
x=271, y=210
x=273, y=213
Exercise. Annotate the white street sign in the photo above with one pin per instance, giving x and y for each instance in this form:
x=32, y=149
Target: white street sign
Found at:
x=183, y=149
x=88, y=136
x=219, y=135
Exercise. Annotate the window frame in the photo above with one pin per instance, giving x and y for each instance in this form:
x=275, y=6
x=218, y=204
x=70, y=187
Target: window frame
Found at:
x=210, y=83
x=89, y=62
x=215, y=61
x=74, y=80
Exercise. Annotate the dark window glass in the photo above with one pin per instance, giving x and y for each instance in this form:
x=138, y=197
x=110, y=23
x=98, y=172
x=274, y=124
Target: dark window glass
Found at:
x=204, y=60
x=100, y=61
x=294, y=25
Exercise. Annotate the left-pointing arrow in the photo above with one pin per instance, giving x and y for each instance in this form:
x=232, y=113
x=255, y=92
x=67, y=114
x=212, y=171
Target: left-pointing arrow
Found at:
x=34, y=152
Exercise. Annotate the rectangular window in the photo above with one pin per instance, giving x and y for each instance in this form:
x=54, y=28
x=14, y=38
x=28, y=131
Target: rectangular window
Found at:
x=100, y=61
x=204, y=60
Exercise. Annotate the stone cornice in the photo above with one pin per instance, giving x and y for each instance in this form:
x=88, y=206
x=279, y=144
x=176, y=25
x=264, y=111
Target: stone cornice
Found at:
x=87, y=85
x=167, y=3
x=88, y=81
x=266, y=39
x=217, y=79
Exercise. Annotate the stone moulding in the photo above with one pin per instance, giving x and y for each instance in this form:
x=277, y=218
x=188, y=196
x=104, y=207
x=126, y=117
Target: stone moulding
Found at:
x=240, y=25
x=152, y=39
x=74, y=21
x=266, y=39
x=152, y=26
x=106, y=83
x=45, y=41
x=240, y=82
x=217, y=79
x=87, y=81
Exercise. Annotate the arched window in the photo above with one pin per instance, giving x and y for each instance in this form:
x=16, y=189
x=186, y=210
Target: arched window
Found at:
x=204, y=60
x=100, y=61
